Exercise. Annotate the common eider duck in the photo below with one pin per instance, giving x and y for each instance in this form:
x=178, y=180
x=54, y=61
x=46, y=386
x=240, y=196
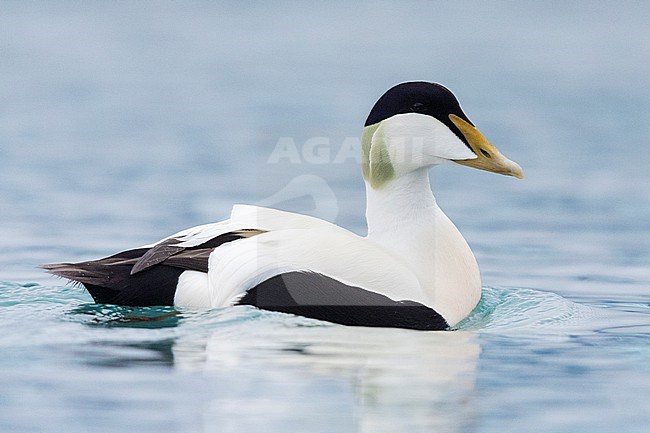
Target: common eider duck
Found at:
x=413, y=269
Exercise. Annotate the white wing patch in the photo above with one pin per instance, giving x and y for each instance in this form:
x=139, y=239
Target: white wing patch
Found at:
x=292, y=242
x=192, y=290
x=246, y=217
x=238, y=266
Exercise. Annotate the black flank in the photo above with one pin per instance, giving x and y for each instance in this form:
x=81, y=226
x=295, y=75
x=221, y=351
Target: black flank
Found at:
x=320, y=297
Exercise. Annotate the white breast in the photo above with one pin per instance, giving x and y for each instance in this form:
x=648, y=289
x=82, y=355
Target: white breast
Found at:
x=442, y=260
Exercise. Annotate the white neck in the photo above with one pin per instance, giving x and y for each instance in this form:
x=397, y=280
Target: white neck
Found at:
x=399, y=204
x=404, y=218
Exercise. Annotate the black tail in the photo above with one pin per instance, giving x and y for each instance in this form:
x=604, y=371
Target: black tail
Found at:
x=143, y=276
x=109, y=280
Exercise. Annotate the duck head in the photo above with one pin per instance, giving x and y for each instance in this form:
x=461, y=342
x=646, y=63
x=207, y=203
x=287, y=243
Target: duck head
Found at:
x=419, y=124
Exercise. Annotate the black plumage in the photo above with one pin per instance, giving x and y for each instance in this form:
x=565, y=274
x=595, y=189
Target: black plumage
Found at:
x=317, y=296
x=112, y=280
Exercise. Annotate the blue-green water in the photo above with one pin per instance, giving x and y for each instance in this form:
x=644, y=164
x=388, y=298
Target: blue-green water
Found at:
x=121, y=123
x=524, y=357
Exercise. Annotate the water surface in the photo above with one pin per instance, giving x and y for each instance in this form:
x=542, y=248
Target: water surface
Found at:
x=123, y=123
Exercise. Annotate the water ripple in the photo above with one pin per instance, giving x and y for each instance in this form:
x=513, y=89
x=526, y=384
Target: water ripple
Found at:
x=513, y=309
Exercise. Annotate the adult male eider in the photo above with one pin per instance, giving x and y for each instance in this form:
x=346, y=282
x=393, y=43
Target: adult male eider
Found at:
x=413, y=269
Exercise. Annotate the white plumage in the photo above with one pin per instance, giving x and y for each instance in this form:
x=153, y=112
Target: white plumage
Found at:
x=412, y=252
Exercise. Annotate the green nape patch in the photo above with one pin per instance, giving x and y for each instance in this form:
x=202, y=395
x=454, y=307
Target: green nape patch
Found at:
x=376, y=165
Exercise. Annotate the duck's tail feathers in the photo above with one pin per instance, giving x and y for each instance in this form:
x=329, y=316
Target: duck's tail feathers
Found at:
x=109, y=280
x=143, y=276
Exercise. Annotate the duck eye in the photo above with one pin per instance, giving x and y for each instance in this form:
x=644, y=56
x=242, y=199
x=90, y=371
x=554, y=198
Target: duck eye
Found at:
x=417, y=106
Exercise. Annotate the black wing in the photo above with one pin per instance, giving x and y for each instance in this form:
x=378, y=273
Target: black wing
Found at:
x=163, y=250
